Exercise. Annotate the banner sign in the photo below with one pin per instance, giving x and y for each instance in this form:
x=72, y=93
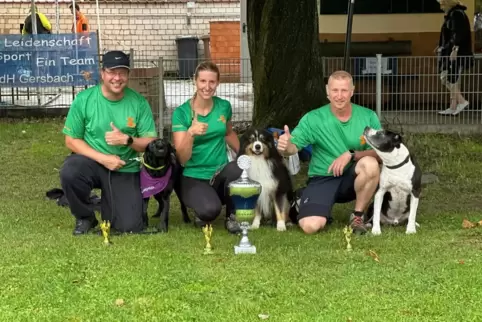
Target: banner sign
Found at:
x=49, y=60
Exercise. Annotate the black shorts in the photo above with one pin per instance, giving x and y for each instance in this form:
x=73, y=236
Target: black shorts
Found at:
x=321, y=193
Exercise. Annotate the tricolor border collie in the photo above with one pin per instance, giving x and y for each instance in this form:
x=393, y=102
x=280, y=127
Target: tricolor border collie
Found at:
x=398, y=194
x=269, y=169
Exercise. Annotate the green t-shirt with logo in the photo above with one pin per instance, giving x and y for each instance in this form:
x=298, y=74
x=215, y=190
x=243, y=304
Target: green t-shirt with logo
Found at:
x=90, y=116
x=209, y=152
x=331, y=137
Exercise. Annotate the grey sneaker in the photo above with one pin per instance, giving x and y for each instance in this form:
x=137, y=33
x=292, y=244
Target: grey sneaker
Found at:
x=232, y=225
x=357, y=224
x=460, y=108
x=449, y=111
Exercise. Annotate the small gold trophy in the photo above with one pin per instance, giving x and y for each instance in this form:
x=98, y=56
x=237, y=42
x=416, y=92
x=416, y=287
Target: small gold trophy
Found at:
x=348, y=232
x=105, y=227
x=208, y=231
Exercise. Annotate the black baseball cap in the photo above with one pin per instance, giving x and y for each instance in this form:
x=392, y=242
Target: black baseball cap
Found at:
x=115, y=59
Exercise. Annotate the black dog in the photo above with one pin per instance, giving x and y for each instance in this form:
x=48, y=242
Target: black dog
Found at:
x=159, y=162
x=160, y=176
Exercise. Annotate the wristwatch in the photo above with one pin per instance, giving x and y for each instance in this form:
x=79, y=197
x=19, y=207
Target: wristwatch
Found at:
x=352, y=153
x=130, y=140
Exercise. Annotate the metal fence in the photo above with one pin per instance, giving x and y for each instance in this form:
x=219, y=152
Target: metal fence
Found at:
x=406, y=90
x=402, y=90
x=410, y=89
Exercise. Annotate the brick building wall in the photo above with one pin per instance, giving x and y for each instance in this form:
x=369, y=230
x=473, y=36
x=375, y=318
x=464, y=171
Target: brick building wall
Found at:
x=225, y=47
x=149, y=28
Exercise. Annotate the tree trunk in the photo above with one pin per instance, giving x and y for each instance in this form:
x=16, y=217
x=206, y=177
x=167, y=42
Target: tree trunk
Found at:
x=286, y=63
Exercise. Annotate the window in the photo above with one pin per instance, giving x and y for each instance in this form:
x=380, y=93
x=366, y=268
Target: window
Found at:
x=340, y=7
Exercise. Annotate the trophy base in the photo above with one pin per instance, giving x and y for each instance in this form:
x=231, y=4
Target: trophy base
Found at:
x=208, y=251
x=244, y=246
x=245, y=249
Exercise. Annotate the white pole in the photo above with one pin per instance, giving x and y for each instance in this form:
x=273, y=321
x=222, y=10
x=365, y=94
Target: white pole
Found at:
x=74, y=15
x=57, y=16
x=33, y=17
x=378, y=85
x=98, y=24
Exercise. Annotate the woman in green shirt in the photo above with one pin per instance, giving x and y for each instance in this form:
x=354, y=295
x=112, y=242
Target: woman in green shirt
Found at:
x=201, y=129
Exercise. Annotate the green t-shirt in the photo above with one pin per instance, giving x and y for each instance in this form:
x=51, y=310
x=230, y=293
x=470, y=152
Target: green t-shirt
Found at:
x=90, y=116
x=209, y=152
x=331, y=137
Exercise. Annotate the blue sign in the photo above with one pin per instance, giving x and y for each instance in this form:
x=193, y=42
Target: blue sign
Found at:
x=49, y=60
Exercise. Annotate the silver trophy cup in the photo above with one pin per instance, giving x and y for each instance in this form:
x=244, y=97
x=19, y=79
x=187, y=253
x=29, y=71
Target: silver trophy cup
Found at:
x=244, y=193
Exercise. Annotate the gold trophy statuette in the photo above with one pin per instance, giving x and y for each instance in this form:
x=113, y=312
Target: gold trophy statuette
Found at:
x=105, y=227
x=208, y=231
x=348, y=231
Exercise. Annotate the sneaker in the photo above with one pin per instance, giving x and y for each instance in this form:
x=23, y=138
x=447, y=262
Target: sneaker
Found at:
x=82, y=226
x=357, y=224
x=460, y=107
x=232, y=225
x=449, y=111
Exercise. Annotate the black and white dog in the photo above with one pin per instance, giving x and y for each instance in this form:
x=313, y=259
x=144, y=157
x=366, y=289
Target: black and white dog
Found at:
x=160, y=176
x=268, y=168
x=396, y=200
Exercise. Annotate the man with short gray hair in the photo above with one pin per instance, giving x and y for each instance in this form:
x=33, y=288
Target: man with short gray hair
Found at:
x=343, y=166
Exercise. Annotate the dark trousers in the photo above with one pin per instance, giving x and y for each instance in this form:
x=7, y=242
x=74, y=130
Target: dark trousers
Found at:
x=207, y=197
x=121, y=199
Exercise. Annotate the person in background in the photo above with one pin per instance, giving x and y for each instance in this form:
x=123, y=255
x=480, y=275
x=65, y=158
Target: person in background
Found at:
x=454, y=52
x=43, y=24
x=81, y=21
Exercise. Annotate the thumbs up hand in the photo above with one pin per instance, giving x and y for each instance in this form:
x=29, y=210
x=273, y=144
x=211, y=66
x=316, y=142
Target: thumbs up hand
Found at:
x=287, y=130
x=284, y=141
x=114, y=129
x=197, y=128
x=115, y=137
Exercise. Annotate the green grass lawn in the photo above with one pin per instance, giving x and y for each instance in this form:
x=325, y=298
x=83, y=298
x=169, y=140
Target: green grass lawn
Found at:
x=49, y=275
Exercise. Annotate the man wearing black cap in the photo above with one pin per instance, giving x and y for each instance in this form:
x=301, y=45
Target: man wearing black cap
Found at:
x=107, y=125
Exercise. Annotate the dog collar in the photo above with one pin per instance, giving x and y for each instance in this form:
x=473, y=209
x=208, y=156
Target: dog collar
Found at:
x=148, y=166
x=400, y=164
